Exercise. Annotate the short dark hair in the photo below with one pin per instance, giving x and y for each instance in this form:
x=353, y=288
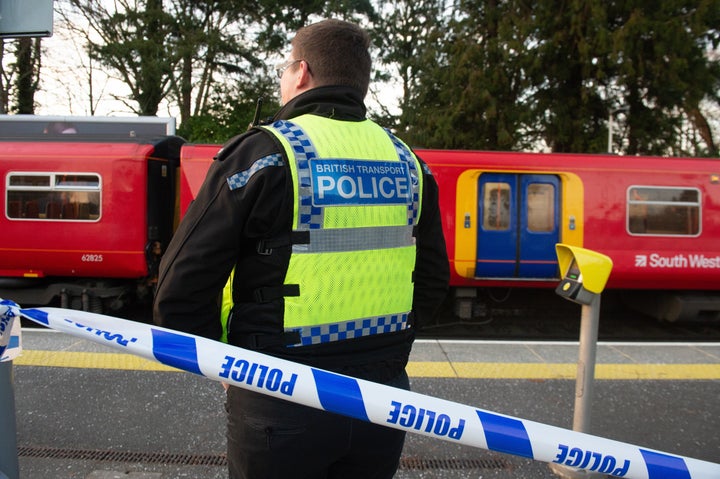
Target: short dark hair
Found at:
x=337, y=53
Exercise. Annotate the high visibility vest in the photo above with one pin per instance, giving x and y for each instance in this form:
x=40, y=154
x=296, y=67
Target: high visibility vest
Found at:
x=357, y=191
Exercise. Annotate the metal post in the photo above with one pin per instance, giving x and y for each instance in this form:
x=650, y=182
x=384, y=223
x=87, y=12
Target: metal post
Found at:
x=589, y=325
x=9, y=465
x=611, y=125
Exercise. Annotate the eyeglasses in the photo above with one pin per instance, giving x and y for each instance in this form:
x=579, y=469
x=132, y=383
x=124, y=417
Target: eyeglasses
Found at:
x=280, y=69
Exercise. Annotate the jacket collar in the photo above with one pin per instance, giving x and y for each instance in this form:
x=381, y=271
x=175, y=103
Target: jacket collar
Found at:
x=337, y=102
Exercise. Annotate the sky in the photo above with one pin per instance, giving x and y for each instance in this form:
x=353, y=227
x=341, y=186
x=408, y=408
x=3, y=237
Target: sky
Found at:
x=67, y=74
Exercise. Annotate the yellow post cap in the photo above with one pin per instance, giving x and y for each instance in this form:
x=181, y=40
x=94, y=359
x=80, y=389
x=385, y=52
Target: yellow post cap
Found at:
x=595, y=267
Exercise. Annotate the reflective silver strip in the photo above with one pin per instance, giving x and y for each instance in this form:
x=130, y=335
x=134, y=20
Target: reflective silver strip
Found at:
x=357, y=239
x=355, y=328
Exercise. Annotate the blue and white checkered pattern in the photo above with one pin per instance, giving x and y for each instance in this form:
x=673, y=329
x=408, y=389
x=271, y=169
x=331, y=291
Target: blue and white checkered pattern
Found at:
x=238, y=180
x=405, y=155
x=309, y=217
x=355, y=328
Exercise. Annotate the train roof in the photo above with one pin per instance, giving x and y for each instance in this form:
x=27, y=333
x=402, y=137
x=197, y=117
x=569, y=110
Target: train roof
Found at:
x=508, y=158
x=91, y=129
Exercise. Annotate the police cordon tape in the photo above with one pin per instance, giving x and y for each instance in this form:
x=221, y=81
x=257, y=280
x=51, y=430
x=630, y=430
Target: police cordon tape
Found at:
x=8, y=334
x=368, y=401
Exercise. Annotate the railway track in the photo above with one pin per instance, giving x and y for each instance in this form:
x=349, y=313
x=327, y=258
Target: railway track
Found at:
x=537, y=315
x=541, y=315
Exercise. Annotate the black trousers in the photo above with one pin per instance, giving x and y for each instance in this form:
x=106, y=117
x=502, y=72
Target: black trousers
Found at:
x=270, y=438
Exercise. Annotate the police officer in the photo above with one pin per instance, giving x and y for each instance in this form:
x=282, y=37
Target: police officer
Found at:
x=329, y=230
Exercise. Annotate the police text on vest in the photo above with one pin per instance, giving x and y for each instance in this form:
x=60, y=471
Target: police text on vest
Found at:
x=360, y=182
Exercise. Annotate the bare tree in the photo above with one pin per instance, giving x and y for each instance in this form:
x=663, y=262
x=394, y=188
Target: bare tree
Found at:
x=20, y=80
x=173, y=51
x=4, y=80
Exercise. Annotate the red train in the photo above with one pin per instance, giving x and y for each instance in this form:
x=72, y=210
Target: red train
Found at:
x=86, y=208
x=117, y=200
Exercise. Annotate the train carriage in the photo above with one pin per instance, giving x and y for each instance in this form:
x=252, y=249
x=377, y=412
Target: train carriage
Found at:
x=504, y=212
x=656, y=218
x=86, y=217
x=86, y=214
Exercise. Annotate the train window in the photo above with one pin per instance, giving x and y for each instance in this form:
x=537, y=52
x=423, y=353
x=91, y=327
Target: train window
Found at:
x=664, y=211
x=496, y=206
x=541, y=207
x=77, y=182
x=53, y=196
x=29, y=180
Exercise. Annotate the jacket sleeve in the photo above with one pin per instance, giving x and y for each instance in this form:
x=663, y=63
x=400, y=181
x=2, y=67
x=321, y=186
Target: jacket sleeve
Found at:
x=207, y=243
x=432, y=270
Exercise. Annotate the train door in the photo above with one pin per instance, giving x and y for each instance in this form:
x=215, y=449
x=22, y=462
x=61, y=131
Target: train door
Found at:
x=519, y=225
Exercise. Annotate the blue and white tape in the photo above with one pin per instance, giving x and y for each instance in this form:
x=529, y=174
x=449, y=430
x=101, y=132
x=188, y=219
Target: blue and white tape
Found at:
x=373, y=402
x=10, y=345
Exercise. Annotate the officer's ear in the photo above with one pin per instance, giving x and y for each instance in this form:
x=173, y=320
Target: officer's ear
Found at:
x=304, y=79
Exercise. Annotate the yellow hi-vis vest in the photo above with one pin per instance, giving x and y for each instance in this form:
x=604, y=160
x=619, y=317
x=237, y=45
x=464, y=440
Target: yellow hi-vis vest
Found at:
x=357, y=191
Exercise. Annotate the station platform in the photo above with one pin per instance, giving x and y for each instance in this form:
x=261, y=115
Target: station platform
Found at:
x=88, y=412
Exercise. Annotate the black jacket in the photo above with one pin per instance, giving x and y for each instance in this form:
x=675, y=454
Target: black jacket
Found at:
x=224, y=228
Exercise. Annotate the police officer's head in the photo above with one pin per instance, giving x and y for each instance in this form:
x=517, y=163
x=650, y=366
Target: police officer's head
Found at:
x=330, y=52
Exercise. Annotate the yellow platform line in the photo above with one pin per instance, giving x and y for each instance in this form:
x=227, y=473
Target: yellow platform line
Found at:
x=84, y=360
x=470, y=370
x=417, y=369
